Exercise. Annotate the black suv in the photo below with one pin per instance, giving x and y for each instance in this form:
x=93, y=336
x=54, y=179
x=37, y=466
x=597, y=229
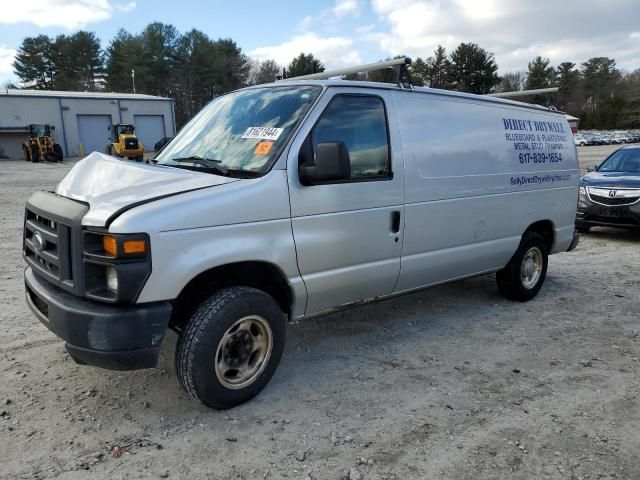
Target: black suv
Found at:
x=610, y=193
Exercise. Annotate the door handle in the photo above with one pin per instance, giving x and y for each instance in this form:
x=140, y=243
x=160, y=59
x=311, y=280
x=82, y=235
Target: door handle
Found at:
x=395, y=222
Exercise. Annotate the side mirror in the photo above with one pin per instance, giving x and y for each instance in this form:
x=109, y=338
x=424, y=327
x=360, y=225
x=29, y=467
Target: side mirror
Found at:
x=332, y=164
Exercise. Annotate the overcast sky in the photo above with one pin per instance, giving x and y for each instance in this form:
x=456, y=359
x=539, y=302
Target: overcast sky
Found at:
x=347, y=32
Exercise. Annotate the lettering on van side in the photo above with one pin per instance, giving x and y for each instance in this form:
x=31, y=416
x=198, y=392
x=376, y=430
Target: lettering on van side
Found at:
x=535, y=141
x=539, y=179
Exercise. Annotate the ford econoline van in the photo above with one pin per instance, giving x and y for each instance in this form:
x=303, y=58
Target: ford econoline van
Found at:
x=289, y=200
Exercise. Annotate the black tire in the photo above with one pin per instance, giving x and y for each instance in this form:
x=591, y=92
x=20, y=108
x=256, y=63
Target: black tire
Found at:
x=35, y=154
x=57, y=151
x=510, y=278
x=199, y=342
x=139, y=158
x=50, y=157
x=27, y=154
x=583, y=228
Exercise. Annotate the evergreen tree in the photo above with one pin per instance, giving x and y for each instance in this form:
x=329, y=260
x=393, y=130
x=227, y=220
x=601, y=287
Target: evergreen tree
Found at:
x=472, y=69
x=35, y=62
x=438, y=68
x=540, y=74
x=79, y=62
x=304, y=64
x=123, y=55
x=568, y=78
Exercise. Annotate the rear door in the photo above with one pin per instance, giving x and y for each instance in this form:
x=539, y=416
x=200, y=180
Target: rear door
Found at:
x=348, y=235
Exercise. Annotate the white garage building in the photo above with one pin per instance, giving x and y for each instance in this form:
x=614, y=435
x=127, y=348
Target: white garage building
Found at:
x=82, y=120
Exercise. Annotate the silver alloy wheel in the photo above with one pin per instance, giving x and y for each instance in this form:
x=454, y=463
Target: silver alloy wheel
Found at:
x=244, y=352
x=531, y=268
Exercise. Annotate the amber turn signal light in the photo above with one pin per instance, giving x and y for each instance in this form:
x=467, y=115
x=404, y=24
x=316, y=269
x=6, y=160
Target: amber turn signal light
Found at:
x=110, y=245
x=134, y=246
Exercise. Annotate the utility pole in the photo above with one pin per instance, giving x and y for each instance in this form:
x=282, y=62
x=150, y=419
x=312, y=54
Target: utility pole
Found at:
x=133, y=79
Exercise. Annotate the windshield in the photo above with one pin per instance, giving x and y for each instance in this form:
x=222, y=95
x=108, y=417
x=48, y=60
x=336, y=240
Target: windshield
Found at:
x=242, y=131
x=40, y=131
x=625, y=160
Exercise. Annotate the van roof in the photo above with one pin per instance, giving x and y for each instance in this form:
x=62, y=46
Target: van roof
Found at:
x=426, y=90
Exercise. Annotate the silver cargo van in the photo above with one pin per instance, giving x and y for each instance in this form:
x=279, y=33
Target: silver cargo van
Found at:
x=289, y=200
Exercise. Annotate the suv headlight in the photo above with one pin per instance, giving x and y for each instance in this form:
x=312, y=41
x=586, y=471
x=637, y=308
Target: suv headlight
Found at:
x=582, y=191
x=115, y=266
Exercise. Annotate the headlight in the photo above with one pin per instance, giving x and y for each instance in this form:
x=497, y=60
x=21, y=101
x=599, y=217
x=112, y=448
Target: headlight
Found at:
x=115, y=265
x=112, y=279
x=583, y=191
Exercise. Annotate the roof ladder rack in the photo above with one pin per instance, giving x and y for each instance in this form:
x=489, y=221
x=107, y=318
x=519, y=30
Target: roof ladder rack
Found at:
x=400, y=65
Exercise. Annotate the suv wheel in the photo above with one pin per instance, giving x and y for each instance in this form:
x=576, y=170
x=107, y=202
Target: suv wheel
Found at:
x=230, y=347
x=524, y=275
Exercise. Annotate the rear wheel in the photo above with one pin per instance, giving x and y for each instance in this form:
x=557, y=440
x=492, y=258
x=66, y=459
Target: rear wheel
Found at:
x=524, y=275
x=230, y=347
x=57, y=151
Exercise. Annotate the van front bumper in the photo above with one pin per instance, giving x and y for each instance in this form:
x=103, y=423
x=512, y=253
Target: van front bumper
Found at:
x=115, y=337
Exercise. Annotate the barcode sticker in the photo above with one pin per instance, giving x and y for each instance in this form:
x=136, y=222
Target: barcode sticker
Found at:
x=266, y=133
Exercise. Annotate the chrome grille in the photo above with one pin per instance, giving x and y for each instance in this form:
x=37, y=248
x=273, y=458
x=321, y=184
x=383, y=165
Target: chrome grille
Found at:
x=613, y=197
x=46, y=246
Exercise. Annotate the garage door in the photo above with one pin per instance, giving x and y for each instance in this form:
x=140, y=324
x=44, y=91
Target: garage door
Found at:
x=149, y=129
x=95, y=132
x=11, y=144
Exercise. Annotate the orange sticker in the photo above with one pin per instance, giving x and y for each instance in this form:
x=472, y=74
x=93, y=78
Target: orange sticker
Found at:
x=263, y=148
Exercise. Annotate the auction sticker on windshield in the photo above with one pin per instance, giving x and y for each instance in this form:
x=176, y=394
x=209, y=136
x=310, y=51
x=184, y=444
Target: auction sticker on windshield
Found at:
x=266, y=133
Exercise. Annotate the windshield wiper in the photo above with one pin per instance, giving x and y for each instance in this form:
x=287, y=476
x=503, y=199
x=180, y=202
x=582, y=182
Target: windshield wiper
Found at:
x=208, y=163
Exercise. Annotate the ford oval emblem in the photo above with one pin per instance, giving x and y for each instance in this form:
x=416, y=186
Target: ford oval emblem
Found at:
x=612, y=193
x=38, y=242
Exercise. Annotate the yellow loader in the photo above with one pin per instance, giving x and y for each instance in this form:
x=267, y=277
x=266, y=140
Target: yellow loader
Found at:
x=125, y=143
x=41, y=145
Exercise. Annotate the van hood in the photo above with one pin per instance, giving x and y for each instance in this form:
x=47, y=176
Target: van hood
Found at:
x=111, y=186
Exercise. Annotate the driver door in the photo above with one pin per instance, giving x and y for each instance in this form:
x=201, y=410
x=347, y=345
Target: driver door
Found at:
x=348, y=234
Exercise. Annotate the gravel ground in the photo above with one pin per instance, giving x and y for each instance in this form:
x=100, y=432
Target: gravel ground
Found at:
x=452, y=382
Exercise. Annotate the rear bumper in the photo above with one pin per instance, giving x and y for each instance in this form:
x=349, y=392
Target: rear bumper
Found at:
x=114, y=337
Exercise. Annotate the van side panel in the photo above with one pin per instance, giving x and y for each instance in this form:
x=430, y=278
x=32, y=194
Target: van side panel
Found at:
x=478, y=174
x=248, y=220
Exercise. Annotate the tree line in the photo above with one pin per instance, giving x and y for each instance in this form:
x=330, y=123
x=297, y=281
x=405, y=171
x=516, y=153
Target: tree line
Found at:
x=193, y=68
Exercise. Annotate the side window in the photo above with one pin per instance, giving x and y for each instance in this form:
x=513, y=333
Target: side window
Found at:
x=360, y=122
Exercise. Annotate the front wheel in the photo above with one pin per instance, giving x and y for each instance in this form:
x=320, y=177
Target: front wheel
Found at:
x=524, y=275
x=230, y=347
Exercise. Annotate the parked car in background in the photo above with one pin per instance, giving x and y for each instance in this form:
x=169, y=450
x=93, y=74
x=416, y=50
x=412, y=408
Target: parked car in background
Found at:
x=581, y=140
x=163, y=142
x=619, y=138
x=596, y=139
x=610, y=194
